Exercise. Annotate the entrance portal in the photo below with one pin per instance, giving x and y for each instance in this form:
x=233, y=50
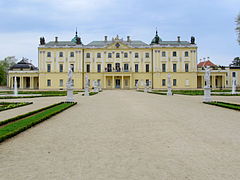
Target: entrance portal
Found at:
x=118, y=83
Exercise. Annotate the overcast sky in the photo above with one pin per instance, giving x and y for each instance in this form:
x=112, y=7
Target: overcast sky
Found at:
x=212, y=22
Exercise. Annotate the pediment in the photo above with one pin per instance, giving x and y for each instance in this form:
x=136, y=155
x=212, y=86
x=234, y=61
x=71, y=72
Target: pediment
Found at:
x=118, y=45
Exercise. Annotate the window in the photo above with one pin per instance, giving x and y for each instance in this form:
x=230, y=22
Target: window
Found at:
x=233, y=74
x=61, y=82
x=163, y=82
x=88, y=68
x=146, y=55
x=125, y=55
x=136, y=67
x=60, y=54
x=99, y=82
x=99, y=68
x=126, y=67
x=163, y=67
x=117, y=67
x=60, y=67
x=174, y=53
x=186, y=53
x=147, y=67
x=174, y=67
x=109, y=82
x=163, y=54
x=136, y=82
x=71, y=54
x=136, y=55
x=72, y=67
x=147, y=82
x=48, y=54
x=174, y=82
x=48, y=67
x=126, y=82
x=49, y=82
x=109, y=55
x=88, y=55
x=117, y=55
x=72, y=82
x=186, y=67
x=109, y=67
x=98, y=55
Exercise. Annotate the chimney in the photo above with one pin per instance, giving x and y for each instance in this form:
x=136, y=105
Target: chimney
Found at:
x=128, y=38
x=105, y=38
x=56, y=39
x=178, y=38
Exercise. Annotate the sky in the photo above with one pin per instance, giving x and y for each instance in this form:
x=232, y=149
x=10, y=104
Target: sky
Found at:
x=212, y=22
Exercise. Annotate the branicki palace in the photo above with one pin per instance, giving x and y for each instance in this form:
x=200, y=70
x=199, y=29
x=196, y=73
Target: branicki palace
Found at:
x=119, y=64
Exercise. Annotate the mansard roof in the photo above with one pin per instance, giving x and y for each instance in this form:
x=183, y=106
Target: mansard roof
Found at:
x=102, y=44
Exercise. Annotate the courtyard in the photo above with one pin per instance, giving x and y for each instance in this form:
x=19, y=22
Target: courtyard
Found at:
x=126, y=135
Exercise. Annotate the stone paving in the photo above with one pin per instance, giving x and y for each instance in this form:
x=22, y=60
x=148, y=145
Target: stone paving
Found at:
x=127, y=135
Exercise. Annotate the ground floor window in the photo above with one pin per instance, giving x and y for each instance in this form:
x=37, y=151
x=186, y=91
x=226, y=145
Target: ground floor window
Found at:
x=99, y=82
x=136, y=82
x=72, y=82
x=147, y=82
x=174, y=82
x=126, y=82
x=109, y=82
x=163, y=82
x=49, y=82
x=61, y=82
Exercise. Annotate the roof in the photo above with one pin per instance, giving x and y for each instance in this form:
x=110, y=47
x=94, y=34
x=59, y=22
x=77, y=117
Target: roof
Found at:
x=101, y=44
x=23, y=64
x=60, y=43
x=206, y=63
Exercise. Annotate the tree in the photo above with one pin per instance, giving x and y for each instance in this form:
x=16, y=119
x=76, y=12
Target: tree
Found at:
x=235, y=62
x=4, y=66
x=238, y=27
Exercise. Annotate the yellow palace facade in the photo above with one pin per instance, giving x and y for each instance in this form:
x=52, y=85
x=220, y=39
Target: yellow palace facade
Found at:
x=114, y=63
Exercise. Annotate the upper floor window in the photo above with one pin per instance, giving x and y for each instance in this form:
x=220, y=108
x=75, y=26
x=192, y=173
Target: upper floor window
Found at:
x=60, y=54
x=126, y=67
x=136, y=55
x=71, y=54
x=88, y=68
x=48, y=54
x=186, y=54
x=109, y=55
x=60, y=67
x=88, y=55
x=163, y=54
x=147, y=67
x=125, y=55
x=186, y=67
x=233, y=74
x=146, y=55
x=99, y=68
x=98, y=55
x=136, y=67
x=48, y=67
x=117, y=55
x=163, y=67
x=72, y=65
x=174, y=53
x=174, y=67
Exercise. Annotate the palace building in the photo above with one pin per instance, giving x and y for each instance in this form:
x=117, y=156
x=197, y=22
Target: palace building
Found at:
x=118, y=64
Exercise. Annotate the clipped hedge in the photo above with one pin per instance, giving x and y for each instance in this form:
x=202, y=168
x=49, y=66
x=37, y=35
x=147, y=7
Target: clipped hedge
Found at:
x=11, y=105
x=28, y=120
x=91, y=93
x=225, y=105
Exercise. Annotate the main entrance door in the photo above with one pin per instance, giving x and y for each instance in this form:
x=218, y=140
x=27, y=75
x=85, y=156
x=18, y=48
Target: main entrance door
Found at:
x=118, y=83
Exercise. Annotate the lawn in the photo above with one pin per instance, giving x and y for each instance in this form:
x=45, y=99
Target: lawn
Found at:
x=10, y=105
x=225, y=105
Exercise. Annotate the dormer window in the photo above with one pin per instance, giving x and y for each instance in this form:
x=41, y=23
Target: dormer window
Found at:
x=60, y=54
x=48, y=54
x=136, y=55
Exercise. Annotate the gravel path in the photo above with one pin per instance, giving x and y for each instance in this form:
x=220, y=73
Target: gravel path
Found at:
x=128, y=135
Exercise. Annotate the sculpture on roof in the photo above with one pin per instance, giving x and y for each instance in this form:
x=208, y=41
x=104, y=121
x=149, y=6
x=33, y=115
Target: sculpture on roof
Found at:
x=192, y=40
x=42, y=41
x=156, y=39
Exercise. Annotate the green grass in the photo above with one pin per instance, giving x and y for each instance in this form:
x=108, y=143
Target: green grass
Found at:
x=158, y=92
x=43, y=94
x=28, y=120
x=91, y=93
x=10, y=105
x=225, y=105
